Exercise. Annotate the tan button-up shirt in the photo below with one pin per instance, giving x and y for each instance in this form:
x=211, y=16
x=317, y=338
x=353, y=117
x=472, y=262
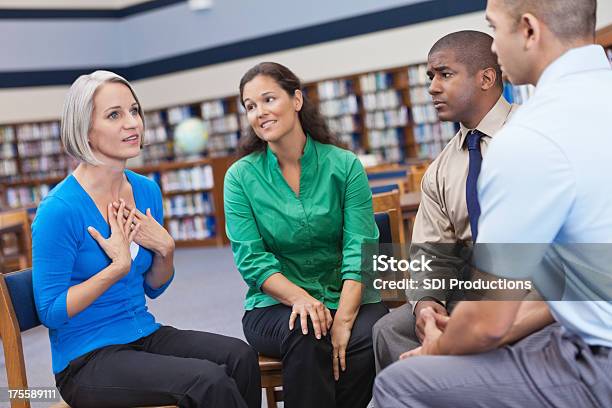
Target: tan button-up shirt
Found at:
x=443, y=216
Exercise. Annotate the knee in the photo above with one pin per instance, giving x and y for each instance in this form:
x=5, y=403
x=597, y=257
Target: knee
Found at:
x=383, y=326
x=296, y=341
x=244, y=354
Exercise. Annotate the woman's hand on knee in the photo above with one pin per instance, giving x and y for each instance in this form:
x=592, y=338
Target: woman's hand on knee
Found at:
x=320, y=316
x=341, y=334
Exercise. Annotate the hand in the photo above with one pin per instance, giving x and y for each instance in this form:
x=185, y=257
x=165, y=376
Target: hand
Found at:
x=117, y=246
x=420, y=323
x=432, y=335
x=151, y=235
x=340, y=334
x=319, y=315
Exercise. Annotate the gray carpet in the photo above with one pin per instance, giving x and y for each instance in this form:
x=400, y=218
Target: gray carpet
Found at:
x=206, y=294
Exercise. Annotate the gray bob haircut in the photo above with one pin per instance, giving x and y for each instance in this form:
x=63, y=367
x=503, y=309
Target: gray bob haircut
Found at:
x=78, y=110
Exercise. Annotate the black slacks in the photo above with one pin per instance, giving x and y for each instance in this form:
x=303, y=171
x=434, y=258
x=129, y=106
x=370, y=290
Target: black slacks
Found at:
x=308, y=379
x=168, y=367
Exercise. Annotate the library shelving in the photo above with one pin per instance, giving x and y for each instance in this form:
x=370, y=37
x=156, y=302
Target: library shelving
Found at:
x=604, y=38
x=387, y=113
x=192, y=197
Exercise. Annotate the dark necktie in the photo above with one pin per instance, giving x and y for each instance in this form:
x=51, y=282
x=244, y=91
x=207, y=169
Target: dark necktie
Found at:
x=471, y=190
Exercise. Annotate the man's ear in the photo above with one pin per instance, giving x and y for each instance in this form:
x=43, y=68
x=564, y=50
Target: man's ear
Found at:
x=488, y=78
x=531, y=28
x=298, y=100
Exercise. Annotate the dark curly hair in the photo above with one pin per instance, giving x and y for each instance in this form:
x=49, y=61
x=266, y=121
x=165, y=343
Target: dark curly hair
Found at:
x=310, y=118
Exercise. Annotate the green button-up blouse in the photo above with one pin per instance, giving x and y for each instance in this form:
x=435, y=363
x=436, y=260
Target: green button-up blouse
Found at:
x=315, y=239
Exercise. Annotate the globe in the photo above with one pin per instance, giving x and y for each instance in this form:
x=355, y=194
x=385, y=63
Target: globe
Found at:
x=190, y=136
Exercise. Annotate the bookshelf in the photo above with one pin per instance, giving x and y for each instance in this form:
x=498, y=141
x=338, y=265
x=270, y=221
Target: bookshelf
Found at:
x=387, y=113
x=603, y=37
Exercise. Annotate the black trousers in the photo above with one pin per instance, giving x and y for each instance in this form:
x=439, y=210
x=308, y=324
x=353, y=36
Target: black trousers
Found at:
x=308, y=379
x=168, y=367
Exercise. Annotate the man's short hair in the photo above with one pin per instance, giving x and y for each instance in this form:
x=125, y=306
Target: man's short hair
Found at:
x=77, y=113
x=567, y=19
x=472, y=49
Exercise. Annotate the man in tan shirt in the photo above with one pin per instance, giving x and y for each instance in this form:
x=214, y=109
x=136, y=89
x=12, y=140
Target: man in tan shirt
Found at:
x=466, y=87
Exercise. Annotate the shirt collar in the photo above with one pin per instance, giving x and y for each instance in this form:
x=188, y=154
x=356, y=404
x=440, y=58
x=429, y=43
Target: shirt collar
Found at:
x=307, y=157
x=581, y=59
x=491, y=123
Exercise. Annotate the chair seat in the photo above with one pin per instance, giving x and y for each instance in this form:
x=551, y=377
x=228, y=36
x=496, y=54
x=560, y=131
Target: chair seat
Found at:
x=269, y=363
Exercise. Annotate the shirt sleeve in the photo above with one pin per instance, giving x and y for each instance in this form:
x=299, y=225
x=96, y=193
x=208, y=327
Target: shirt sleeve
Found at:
x=526, y=190
x=359, y=227
x=157, y=210
x=434, y=238
x=55, y=242
x=254, y=262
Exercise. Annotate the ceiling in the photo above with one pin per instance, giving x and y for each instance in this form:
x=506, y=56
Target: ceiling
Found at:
x=69, y=4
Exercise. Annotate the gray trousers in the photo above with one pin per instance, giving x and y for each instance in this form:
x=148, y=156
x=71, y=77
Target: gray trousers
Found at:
x=550, y=368
x=393, y=335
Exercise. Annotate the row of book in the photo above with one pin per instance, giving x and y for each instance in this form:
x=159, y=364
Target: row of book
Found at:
x=419, y=95
x=342, y=106
x=434, y=132
x=375, y=81
x=424, y=114
x=8, y=167
x=37, y=131
x=178, y=114
x=343, y=124
x=39, y=147
x=187, y=179
x=7, y=134
x=188, y=204
x=152, y=154
x=382, y=100
x=385, y=138
x=196, y=227
x=223, y=142
x=26, y=195
x=387, y=119
x=7, y=150
x=213, y=109
x=334, y=89
x=47, y=164
x=223, y=124
x=417, y=75
x=155, y=134
x=518, y=94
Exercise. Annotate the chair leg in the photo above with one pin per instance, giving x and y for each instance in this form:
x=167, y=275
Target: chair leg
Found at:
x=271, y=397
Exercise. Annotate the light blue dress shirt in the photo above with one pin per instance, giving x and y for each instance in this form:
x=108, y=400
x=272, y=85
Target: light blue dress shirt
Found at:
x=546, y=179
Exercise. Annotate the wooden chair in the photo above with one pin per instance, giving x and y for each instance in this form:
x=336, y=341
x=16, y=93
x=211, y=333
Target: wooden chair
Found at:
x=415, y=175
x=18, y=314
x=388, y=217
x=19, y=241
x=271, y=378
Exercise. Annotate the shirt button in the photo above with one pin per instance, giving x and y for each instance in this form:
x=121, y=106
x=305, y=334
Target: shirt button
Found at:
x=140, y=331
x=308, y=262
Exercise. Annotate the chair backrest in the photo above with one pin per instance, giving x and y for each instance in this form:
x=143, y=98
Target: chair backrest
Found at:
x=22, y=217
x=387, y=188
x=389, y=203
x=388, y=217
x=417, y=171
x=17, y=314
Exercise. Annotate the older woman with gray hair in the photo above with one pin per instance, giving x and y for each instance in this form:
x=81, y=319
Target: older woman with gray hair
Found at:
x=98, y=248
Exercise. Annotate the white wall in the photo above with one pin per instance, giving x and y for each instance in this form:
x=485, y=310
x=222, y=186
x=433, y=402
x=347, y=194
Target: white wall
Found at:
x=385, y=49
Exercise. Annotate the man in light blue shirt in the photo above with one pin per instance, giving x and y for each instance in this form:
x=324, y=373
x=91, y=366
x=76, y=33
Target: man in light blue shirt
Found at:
x=544, y=182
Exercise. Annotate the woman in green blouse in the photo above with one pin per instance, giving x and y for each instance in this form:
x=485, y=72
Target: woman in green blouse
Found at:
x=298, y=208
